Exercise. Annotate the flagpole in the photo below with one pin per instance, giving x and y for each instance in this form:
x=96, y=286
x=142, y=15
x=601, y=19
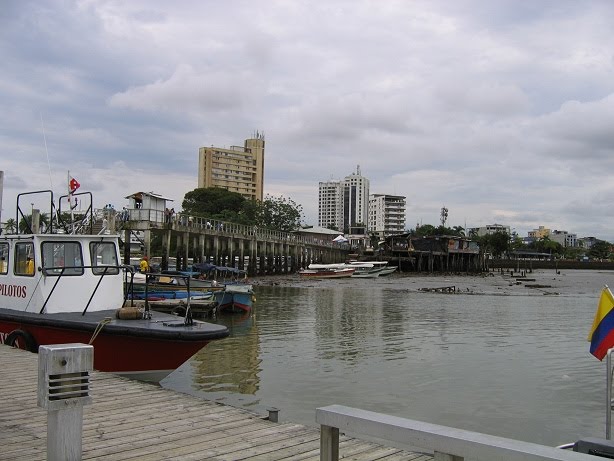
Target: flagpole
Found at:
x=72, y=215
x=608, y=412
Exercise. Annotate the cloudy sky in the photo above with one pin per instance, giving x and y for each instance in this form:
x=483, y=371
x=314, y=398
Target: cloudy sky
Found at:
x=501, y=111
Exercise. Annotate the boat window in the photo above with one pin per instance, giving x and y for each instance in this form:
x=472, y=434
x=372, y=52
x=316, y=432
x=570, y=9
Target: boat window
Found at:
x=4, y=257
x=24, y=259
x=104, y=254
x=62, y=255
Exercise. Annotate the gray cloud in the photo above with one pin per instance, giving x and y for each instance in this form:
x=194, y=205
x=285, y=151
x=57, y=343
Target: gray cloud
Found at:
x=501, y=111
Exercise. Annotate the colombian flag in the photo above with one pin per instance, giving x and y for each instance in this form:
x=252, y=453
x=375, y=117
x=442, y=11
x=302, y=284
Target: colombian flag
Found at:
x=602, y=332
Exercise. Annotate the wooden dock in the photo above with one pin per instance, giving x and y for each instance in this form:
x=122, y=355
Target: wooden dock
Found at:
x=131, y=420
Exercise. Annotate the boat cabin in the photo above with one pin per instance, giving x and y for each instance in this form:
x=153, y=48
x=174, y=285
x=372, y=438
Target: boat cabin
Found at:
x=54, y=273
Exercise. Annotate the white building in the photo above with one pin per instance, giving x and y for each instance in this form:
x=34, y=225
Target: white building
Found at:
x=564, y=238
x=489, y=229
x=344, y=204
x=330, y=205
x=386, y=214
x=355, y=200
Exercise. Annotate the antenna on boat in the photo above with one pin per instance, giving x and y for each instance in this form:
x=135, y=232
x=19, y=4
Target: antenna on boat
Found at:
x=46, y=151
x=49, y=166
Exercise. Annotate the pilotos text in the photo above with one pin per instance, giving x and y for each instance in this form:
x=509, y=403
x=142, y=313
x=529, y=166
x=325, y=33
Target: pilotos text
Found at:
x=15, y=291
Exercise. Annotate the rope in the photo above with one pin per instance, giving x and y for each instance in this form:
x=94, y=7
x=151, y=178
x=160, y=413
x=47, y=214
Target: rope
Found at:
x=99, y=327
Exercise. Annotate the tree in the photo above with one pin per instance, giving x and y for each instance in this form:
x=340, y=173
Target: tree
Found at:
x=279, y=213
x=546, y=245
x=600, y=250
x=213, y=202
x=25, y=224
x=497, y=243
x=10, y=226
x=425, y=230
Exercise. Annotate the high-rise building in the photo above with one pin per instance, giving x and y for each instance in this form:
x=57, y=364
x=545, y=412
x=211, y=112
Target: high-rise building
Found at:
x=330, y=205
x=238, y=169
x=344, y=204
x=355, y=200
x=386, y=214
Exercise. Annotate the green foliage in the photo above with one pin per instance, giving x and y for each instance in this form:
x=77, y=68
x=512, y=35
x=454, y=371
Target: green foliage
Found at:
x=277, y=213
x=600, y=250
x=213, y=202
x=25, y=224
x=428, y=229
x=425, y=230
x=546, y=245
x=573, y=253
x=10, y=226
x=496, y=244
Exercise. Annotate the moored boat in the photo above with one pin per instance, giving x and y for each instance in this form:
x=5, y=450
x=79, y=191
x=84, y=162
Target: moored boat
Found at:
x=365, y=270
x=177, y=303
x=326, y=271
x=371, y=269
x=237, y=297
x=58, y=288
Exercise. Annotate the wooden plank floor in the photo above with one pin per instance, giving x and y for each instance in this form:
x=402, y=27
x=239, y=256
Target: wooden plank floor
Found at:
x=130, y=420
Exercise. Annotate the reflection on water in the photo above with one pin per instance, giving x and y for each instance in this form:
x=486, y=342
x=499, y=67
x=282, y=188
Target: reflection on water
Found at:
x=232, y=365
x=499, y=358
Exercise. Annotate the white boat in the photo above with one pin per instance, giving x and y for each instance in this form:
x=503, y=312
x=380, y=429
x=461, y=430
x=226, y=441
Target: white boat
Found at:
x=327, y=271
x=365, y=270
x=387, y=270
x=58, y=288
x=370, y=269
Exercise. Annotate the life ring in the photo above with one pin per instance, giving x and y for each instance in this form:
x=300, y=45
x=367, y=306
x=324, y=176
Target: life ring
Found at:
x=21, y=340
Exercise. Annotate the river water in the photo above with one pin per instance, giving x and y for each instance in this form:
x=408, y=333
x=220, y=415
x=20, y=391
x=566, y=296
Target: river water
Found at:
x=497, y=356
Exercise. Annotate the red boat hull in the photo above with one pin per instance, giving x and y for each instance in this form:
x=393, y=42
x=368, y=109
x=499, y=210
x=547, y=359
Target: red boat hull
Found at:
x=117, y=349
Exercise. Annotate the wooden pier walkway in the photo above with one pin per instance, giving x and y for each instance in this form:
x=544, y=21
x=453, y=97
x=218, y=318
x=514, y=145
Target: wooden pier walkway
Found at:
x=131, y=420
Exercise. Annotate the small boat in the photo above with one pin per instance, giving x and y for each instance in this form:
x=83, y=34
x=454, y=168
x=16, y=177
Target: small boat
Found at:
x=387, y=270
x=176, y=303
x=237, y=297
x=58, y=288
x=328, y=271
x=365, y=270
x=230, y=293
x=371, y=269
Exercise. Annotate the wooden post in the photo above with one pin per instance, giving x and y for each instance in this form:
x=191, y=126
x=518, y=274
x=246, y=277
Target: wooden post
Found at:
x=329, y=443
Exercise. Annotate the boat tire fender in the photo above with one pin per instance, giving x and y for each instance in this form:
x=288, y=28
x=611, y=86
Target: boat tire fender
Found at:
x=21, y=339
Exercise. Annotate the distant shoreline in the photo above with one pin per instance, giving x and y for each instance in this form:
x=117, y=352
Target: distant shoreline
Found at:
x=528, y=264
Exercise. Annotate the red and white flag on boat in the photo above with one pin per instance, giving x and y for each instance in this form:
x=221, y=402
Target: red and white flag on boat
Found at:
x=73, y=185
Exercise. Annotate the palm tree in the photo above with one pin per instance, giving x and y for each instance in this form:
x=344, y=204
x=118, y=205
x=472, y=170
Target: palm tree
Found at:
x=25, y=225
x=10, y=226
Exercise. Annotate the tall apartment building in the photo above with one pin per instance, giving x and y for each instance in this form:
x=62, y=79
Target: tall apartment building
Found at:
x=238, y=169
x=355, y=200
x=386, y=214
x=344, y=204
x=330, y=205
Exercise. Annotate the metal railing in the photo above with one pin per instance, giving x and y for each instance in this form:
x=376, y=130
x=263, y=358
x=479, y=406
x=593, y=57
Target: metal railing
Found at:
x=52, y=271
x=226, y=228
x=446, y=443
